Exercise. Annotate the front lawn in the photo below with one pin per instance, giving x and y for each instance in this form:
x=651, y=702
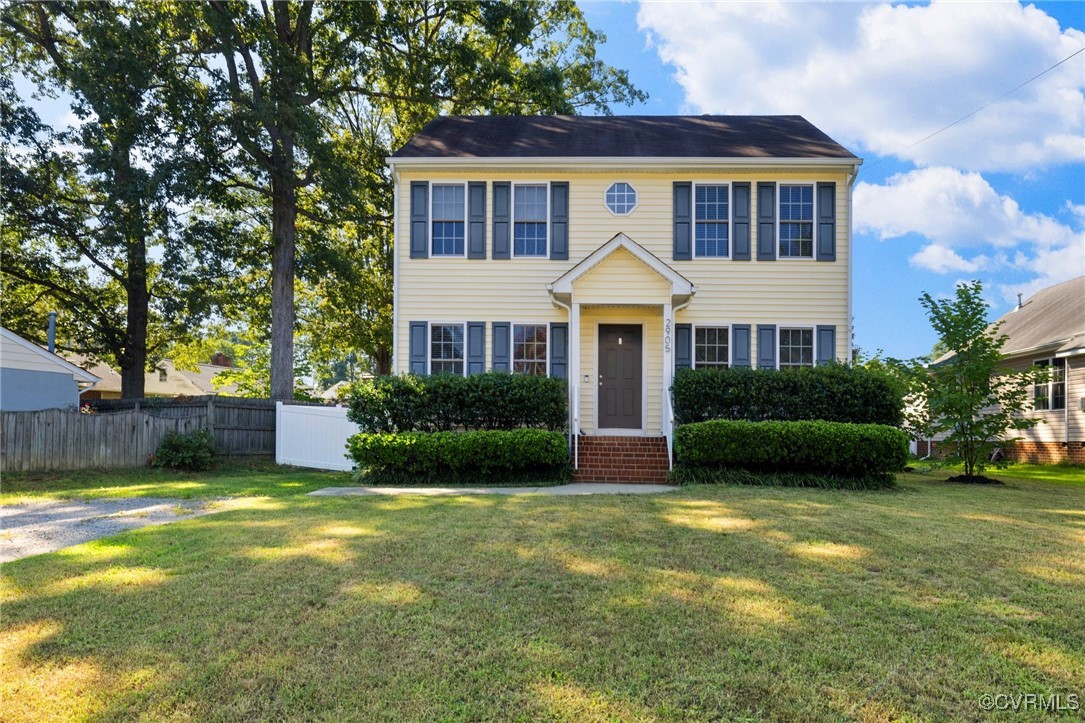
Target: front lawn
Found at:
x=228, y=479
x=711, y=602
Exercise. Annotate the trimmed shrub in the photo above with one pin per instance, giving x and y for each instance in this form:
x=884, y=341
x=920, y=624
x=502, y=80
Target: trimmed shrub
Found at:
x=860, y=451
x=479, y=456
x=444, y=402
x=833, y=393
x=193, y=452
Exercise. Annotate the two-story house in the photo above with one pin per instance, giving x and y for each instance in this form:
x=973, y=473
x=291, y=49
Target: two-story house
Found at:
x=611, y=251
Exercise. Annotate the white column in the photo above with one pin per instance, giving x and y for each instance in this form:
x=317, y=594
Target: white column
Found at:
x=574, y=378
x=668, y=372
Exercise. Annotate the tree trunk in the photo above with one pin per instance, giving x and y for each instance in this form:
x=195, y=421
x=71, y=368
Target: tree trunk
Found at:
x=284, y=235
x=383, y=359
x=134, y=360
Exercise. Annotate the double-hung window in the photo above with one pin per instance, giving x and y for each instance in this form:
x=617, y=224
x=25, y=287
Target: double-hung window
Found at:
x=529, y=212
x=796, y=222
x=1052, y=393
x=796, y=348
x=711, y=347
x=446, y=349
x=711, y=208
x=529, y=349
x=448, y=209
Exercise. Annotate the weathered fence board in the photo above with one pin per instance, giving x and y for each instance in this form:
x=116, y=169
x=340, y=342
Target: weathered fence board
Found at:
x=126, y=432
x=59, y=439
x=241, y=426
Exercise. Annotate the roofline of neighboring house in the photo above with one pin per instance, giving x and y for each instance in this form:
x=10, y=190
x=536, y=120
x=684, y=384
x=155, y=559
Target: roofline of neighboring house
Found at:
x=669, y=161
x=78, y=372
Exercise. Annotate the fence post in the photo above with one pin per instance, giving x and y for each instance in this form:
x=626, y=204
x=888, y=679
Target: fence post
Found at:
x=211, y=418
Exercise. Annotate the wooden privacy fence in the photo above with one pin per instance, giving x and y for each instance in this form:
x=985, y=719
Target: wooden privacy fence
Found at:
x=58, y=439
x=241, y=426
x=126, y=432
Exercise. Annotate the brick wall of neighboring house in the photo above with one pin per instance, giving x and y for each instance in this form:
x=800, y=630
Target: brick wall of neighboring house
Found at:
x=1026, y=452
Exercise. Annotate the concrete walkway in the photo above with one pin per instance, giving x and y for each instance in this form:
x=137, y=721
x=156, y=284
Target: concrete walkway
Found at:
x=580, y=488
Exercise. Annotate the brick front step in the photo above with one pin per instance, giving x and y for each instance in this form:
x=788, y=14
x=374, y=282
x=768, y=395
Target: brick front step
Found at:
x=622, y=459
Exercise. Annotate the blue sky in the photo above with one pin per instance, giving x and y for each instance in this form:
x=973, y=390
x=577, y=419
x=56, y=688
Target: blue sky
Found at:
x=999, y=197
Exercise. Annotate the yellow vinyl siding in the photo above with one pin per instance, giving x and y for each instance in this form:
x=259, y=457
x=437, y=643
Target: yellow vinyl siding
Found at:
x=652, y=320
x=621, y=279
x=792, y=291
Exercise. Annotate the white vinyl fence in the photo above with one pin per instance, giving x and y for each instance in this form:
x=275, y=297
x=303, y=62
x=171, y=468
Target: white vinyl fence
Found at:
x=307, y=436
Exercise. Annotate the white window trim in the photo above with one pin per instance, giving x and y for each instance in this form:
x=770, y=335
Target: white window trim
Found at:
x=1050, y=383
x=429, y=343
x=512, y=219
x=813, y=331
x=813, y=221
x=636, y=203
x=512, y=342
x=466, y=223
x=730, y=343
x=730, y=218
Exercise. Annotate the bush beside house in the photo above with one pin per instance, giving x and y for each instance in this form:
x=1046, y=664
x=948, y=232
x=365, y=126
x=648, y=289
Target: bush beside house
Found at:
x=481, y=429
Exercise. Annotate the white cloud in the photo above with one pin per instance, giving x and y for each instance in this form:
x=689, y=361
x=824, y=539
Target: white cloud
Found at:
x=881, y=77
x=960, y=212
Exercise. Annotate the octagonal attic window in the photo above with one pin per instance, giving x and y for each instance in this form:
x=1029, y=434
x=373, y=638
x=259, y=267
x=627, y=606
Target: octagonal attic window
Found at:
x=621, y=199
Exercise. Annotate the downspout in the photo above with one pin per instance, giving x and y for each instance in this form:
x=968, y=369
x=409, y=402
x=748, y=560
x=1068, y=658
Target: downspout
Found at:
x=574, y=405
x=853, y=175
x=395, y=267
x=670, y=402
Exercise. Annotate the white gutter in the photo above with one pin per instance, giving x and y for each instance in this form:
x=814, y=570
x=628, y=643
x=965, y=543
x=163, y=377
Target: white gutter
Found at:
x=594, y=161
x=395, y=267
x=574, y=401
x=851, y=263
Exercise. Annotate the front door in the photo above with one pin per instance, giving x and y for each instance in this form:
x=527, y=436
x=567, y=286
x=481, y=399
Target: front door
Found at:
x=620, y=382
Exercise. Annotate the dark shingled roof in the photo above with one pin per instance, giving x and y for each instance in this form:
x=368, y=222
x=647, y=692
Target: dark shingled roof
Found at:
x=704, y=136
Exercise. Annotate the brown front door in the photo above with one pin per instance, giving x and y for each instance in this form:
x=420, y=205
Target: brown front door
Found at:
x=620, y=381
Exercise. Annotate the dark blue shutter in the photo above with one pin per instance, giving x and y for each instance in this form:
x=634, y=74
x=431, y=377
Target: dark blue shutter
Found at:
x=476, y=347
x=826, y=344
x=501, y=331
x=766, y=346
x=559, y=220
x=683, y=221
x=740, y=345
x=826, y=222
x=476, y=216
x=559, y=351
x=741, y=216
x=683, y=346
x=419, y=219
x=417, y=346
x=766, y=222
x=502, y=217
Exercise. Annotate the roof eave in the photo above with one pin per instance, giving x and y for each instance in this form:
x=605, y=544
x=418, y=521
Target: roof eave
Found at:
x=550, y=161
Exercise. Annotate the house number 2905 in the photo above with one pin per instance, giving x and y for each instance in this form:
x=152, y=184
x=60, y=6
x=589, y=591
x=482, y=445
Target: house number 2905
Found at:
x=667, y=336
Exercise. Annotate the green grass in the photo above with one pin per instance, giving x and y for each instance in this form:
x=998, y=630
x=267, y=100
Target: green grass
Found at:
x=234, y=479
x=1055, y=473
x=724, y=603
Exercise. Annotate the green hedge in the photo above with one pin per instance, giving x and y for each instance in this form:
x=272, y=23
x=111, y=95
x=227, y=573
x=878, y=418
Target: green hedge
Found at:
x=862, y=451
x=443, y=402
x=192, y=452
x=425, y=456
x=834, y=393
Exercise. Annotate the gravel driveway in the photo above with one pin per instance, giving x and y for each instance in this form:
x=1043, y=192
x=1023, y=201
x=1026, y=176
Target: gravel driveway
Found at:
x=32, y=528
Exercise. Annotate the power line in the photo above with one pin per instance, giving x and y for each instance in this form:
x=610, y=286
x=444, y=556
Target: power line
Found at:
x=977, y=110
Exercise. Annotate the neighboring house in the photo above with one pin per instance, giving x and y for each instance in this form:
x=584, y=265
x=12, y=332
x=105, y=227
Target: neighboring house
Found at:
x=1047, y=330
x=340, y=391
x=165, y=381
x=611, y=251
x=32, y=378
